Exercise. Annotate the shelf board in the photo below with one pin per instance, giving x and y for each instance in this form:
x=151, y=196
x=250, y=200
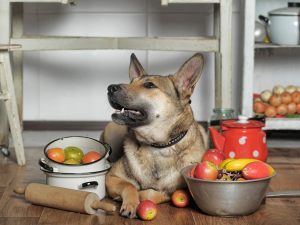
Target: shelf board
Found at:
x=282, y=124
x=42, y=1
x=166, y=2
x=204, y=44
x=261, y=46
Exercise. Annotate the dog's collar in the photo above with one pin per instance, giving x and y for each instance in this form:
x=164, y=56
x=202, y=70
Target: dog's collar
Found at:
x=173, y=141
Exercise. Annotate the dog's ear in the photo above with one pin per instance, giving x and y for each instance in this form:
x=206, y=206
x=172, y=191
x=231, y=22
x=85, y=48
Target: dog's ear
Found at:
x=187, y=76
x=135, y=68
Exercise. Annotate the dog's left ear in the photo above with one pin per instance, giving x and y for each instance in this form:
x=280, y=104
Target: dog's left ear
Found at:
x=188, y=75
x=135, y=68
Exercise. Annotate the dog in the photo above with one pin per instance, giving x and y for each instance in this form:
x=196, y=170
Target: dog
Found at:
x=155, y=126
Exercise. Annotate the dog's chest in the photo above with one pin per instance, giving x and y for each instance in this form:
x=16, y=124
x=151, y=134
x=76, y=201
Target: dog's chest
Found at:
x=155, y=170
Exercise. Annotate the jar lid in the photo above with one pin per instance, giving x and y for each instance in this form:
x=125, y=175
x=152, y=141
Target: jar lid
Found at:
x=242, y=122
x=293, y=9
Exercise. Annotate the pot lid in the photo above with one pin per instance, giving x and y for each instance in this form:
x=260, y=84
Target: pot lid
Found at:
x=293, y=9
x=243, y=122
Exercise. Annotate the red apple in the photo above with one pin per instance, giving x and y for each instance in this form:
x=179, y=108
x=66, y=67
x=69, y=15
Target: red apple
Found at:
x=147, y=210
x=180, y=198
x=191, y=173
x=213, y=155
x=257, y=170
x=206, y=170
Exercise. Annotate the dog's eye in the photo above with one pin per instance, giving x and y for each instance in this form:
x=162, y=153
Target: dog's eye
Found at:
x=149, y=85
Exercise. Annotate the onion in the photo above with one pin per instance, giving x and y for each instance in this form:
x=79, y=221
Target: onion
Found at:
x=291, y=108
x=270, y=111
x=286, y=97
x=296, y=97
x=278, y=89
x=290, y=89
x=257, y=99
x=266, y=95
x=259, y=107
x=298, y=108
x=275, y=100
x=282, y=109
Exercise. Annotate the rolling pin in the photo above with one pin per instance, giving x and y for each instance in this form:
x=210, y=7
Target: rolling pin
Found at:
x=64, y=198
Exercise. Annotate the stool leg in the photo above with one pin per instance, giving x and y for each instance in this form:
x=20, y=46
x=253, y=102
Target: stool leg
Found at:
x=4, y=128
x=6, y=80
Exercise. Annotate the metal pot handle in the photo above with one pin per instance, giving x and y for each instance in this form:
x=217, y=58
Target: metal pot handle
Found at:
x=107, y=146
x=89, y=184
x=265, y=19
x=45, y=166
x=283, y=194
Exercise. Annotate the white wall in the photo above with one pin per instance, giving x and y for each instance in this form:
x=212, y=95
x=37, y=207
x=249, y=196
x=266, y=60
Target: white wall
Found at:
x=71, y=85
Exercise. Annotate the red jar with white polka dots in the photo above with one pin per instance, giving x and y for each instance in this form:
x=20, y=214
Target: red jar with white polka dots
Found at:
x=241, y=138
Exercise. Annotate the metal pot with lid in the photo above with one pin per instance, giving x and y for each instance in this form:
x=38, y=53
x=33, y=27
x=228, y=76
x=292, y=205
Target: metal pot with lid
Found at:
x=283, y=24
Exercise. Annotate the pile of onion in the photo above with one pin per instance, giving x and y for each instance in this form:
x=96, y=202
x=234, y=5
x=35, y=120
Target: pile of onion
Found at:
x=278, y=102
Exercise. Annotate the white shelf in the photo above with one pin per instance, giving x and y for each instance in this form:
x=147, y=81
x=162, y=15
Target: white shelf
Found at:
x=282, y=124
x=166, y=2
x=42, y=1
x=203, y=44
x=261, y=45
x=248, y=70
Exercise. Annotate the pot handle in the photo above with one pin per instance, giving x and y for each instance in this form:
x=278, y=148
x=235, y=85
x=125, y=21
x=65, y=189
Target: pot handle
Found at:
x=107, y=146
x=264, y=19
x=45, y=166
x=89, y=184
x=283, y=194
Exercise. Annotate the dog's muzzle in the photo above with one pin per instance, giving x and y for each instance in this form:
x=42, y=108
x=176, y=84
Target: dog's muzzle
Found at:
x=125, y=113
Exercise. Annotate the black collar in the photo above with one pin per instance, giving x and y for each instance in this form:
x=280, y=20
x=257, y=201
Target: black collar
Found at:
x=173, y=141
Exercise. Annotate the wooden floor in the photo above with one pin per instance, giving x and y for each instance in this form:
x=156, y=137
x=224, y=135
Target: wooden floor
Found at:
x=15, y=210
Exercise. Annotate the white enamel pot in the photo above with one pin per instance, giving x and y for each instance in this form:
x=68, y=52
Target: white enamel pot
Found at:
x=284, y=25
x=86, y=177
x=84, y=143
x=91, y=182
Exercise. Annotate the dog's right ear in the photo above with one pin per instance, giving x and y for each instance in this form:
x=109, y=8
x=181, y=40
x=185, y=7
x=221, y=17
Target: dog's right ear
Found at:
x=135, y=68
x=187, y=76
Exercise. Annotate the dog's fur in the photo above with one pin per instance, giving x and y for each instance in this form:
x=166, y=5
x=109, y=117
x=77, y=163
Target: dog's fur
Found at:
x=162, y=111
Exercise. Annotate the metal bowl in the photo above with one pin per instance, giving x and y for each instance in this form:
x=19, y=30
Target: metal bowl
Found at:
x=226, y=198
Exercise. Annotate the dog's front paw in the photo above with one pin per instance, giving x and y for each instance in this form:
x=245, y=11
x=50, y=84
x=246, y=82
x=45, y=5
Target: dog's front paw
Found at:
x=128, y=209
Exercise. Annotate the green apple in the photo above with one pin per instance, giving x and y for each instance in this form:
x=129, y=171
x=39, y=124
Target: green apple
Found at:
x=72, y=152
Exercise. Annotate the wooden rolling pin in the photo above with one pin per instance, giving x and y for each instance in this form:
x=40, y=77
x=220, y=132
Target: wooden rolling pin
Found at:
x=64, y=198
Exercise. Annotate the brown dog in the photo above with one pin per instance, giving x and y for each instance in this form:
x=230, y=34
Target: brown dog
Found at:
x=159, y=134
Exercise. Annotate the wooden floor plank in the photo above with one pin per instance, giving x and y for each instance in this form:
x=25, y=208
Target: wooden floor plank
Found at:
x=18, y=220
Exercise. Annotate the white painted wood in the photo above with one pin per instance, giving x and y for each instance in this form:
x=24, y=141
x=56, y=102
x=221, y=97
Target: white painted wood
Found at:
x=226, y=53
x=7, y=85
x=170, y=44
x=139, y=43
x=248, y=63
x=4, y=96
x=4, y=41
x=166, y=2
x=248, y=71
x=218, y=72
x=150, y=44
x=17, y=57
x=282, y=124
x=264, y=46
x=42, y=1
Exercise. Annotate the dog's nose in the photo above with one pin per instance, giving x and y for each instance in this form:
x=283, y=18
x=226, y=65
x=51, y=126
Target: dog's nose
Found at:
x=113, y=88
